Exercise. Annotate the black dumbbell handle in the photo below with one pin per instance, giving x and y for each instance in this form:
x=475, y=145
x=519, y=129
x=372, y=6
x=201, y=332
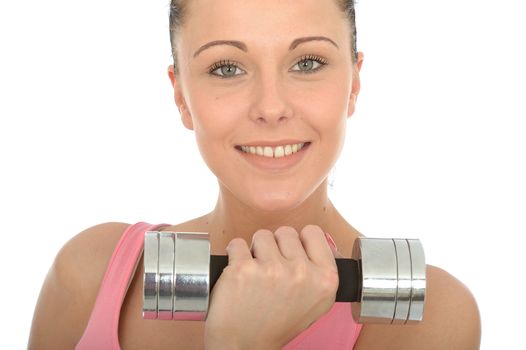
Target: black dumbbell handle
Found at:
x=348, y=272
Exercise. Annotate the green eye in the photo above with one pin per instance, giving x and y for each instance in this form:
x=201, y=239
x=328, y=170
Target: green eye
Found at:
x=307, y=63
x=227, y=69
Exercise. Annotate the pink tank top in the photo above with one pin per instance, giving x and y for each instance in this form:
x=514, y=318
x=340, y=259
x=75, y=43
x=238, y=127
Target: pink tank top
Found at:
x=334, y=330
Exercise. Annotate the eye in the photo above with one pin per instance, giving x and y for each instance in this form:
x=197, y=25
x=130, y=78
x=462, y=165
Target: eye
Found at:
x=307, y=63
x=225, y=69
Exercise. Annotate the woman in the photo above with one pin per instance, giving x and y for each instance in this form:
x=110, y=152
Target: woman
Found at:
x=267, y=88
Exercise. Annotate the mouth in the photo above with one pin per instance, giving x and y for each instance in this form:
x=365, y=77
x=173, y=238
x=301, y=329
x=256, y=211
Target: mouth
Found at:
x=274, y=158
x=273, y=152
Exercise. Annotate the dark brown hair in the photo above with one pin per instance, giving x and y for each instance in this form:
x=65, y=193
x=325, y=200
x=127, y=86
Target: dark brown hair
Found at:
x=178, y=9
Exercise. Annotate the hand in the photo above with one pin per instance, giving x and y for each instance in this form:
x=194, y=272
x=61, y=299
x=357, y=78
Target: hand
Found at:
x=267, y=297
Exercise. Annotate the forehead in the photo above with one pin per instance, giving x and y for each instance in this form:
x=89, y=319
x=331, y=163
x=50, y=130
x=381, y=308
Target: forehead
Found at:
x=261, y=22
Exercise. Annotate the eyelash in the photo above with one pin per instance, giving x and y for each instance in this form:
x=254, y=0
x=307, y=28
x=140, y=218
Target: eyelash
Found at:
x=217, y=65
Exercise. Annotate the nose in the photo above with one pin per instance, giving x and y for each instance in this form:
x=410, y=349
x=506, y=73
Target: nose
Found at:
x=270, y=103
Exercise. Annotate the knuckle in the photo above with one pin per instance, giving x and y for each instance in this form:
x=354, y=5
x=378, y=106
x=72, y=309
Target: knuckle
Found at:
x=284, y=231
x=237, y=242
x=241, y=272
x=312, y=227
x=235, y=245
x=329, y=281
x=300, y=270
x=274, y=272
x=262, y=233
x=311, y=230
x=278, y=268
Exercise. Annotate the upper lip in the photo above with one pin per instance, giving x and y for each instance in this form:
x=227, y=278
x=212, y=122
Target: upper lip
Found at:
x=272, y=143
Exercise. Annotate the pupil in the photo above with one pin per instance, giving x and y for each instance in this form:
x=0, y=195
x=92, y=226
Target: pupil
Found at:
x=307, y=64
x=227, y=70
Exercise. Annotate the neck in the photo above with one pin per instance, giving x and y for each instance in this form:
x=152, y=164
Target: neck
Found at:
x=232, y=218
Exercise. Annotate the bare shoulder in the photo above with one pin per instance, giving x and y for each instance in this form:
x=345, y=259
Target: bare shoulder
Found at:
x=71, y=286
x=451, y=320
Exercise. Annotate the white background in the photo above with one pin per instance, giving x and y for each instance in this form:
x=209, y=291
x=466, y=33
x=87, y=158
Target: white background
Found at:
x=89, y=133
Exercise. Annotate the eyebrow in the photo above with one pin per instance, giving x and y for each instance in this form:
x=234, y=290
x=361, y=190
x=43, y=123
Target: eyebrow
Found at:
x=242, y=46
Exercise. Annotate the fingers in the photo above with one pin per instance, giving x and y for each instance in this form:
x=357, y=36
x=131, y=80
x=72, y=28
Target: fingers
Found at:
x=316, y=246
x=286, y=243
x=238, y=251
x=264, y=246
x=289, y=243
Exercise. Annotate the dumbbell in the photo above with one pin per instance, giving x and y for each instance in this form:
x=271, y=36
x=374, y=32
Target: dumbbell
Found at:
x=385, y=281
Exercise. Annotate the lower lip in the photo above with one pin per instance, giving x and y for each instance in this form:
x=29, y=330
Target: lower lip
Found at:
x=275, y=164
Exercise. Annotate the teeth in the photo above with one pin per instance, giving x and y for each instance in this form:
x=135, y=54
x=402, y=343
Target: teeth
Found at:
x=276, y=152
x=279, y=152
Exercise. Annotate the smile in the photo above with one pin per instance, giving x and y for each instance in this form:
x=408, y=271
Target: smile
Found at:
x=273, y=152
x=272, y=158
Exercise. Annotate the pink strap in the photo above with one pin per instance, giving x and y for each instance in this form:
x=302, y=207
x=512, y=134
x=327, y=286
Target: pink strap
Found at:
x=102, y=331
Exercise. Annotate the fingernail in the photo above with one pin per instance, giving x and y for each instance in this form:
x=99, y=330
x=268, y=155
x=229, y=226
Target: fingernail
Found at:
x=331, y=241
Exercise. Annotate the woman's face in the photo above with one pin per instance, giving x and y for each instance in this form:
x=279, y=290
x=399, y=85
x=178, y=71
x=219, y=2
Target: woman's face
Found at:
x=267, y=88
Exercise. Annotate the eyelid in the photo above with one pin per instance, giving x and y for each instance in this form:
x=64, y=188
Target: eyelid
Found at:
x=222, y=63
x=309, y=57
x=320, y=60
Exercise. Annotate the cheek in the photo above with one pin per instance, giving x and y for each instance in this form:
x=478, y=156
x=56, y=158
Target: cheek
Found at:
x=214, y=115
x=327, y=106
x=326, y=109
x=215, y=119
